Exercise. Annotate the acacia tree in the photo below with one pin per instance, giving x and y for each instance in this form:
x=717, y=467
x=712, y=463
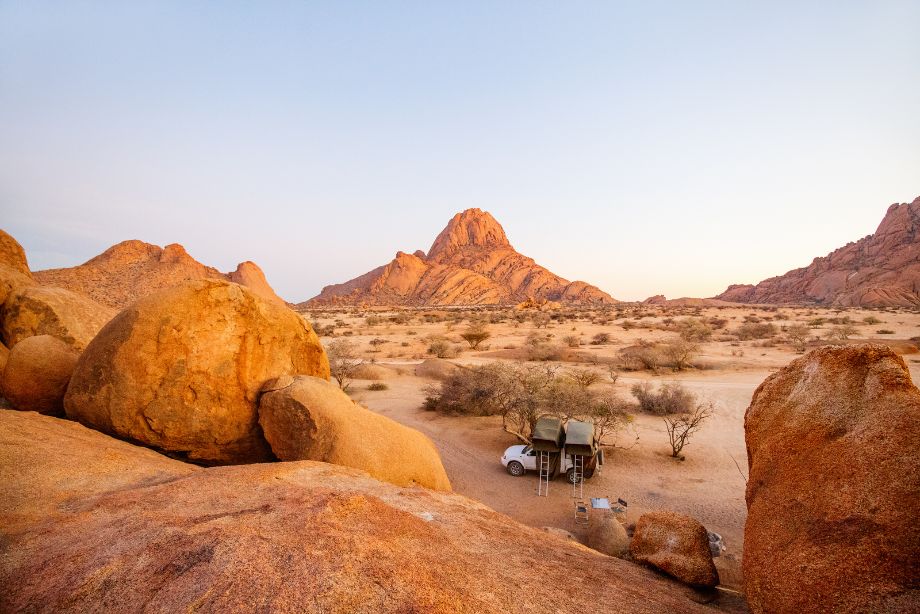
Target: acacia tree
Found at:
x=475, y=334
x=683, y=426
x=343, y=361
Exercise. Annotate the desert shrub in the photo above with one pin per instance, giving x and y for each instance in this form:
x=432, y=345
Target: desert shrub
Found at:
x=378, y=386
x=572, y=341
x=692, y=329
x=641, y=356
x=841, y=332
x=400, y=319
x=798, y=335
x=679, y=354
x=376, y=342
x=884, y=331
x=600, y=339
x=442, y=348
x=627, y=325
x=343, y=361
x=521, y=394
x=667, y=399
x=817, y=322
x=871, y=320
x=321, y=330
x=372, y=321
x=584, y=378
x=540, y=319
x=756, y=330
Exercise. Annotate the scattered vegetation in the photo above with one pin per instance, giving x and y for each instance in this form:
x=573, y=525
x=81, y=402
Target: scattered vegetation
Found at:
x=378, y=386
x=523, y=393
x=343, y=361
x=442, y=348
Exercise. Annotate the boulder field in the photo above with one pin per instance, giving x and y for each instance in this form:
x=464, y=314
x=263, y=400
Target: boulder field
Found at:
x=89, y=523
x=180, y=370
x=833, y=493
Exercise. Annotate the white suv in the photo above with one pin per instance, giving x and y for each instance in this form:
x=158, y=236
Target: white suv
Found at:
x=519, y=459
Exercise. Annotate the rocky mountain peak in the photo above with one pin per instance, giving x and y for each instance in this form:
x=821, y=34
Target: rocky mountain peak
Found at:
x=473, y=227
x=470, y=262
x=879, y=270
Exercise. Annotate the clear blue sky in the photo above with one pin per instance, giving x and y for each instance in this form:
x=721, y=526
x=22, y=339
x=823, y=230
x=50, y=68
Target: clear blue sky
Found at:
x=646, y=147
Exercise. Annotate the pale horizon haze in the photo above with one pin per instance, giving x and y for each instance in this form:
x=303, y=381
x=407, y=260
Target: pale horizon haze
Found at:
x=647, y=148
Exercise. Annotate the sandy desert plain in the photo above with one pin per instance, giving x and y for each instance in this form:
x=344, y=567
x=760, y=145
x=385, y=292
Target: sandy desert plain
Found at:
x=709, y=484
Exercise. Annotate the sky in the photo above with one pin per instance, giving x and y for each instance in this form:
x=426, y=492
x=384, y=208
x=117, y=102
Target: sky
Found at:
x=645, y=147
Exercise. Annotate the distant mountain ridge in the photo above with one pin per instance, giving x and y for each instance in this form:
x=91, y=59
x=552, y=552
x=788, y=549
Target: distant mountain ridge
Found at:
x=471, y=262
x=131, y=269
x=879, y=270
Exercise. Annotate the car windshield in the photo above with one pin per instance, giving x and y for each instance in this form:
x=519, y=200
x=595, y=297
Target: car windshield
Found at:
x=526, y=450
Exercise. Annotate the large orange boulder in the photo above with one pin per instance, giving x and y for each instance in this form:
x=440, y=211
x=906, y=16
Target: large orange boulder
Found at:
x=834, y=488
x=91, y=524
x=41, y=310
x=677, y=545
x=181, y=370
x=306, y=418
x=36, y=375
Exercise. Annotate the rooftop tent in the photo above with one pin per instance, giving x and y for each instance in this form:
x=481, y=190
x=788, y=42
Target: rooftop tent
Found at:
x=547, y=434
x=579, y=438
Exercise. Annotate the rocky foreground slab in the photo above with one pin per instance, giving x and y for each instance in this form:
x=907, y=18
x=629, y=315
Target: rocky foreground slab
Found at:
x=90, y=523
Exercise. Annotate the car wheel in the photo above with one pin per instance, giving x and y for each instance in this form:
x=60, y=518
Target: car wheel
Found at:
x=515, y=468
x=570, y=476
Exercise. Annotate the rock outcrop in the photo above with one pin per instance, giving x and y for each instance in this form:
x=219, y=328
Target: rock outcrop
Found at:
x=307, y=418
x=88, y=523
x=181, y=370
x=677, y=545
x=36, y=375
x=133, y=269
x=14, y=268
x=12, y=255
x=880, y=270
x=833, y=488
x=41, y=310
x=470, y=263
